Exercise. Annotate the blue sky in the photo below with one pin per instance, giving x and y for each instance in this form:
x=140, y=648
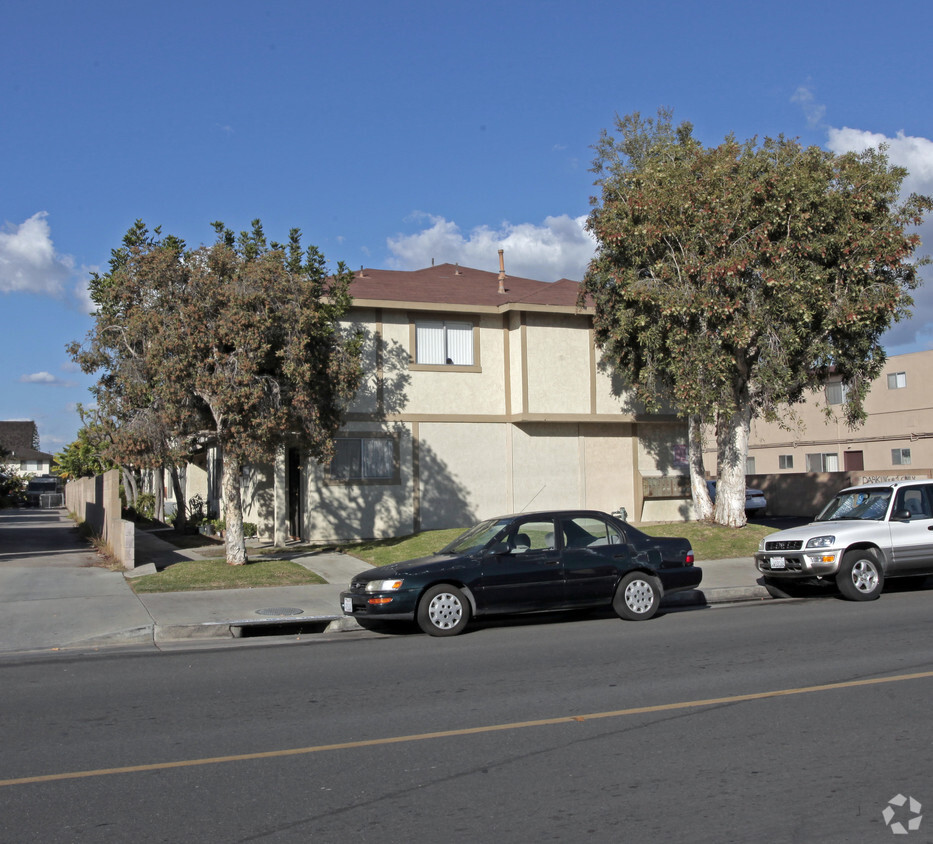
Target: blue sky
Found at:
x=394, y=133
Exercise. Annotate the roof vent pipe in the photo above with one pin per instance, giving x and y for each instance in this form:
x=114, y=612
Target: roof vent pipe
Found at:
x=501, y=271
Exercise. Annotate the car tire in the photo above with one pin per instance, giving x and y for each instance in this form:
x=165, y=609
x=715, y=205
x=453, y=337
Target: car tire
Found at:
x=443, y=611
x=860, y=577
x=637, y=596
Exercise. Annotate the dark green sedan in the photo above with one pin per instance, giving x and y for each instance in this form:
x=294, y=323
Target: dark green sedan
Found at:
x=529, y=562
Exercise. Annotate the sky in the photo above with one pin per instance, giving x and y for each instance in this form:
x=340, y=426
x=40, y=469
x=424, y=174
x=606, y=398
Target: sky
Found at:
x=394, y=134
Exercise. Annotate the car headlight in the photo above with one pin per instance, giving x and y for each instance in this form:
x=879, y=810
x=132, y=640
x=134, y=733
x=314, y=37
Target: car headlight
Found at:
x=384, y=585
x=821, y=542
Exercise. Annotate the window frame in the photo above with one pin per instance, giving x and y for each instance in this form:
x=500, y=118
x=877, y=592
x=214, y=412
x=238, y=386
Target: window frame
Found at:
x=424, y=317
x=832, y=387
x=897, y=380
x=901, y=453
x=823, y=455
x=392, y=479
x=785, y=462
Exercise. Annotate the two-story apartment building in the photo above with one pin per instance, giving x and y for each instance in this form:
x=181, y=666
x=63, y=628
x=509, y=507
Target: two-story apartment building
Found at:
x=897, y=436
x=483, y=395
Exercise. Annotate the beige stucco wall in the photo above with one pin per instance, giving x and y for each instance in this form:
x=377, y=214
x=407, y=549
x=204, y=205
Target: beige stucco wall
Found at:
x=463, y=472
x=337, y=511
x=899, y=418
x=558, y=363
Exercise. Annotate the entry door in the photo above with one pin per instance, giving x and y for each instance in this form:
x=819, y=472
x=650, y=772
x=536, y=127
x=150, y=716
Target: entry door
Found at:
x=853, y=460
x=527, y=575
x=294, y=493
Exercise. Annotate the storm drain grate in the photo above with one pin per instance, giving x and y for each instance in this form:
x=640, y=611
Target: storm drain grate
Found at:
x=280, y=611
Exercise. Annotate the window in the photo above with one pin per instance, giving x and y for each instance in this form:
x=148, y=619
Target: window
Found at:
x=785, y=461
x=531, y=536
x=897, y=380
x=836, y=392
x=444, y=342
x=749, y=465
x=900, y=456
x=822, y=462
x=586, y=532
x=363, y=459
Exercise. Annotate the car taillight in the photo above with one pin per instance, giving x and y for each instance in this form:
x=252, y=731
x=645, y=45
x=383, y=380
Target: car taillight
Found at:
x=689, y=559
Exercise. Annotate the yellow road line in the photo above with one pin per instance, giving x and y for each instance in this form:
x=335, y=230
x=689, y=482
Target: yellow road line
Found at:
x=466, y=731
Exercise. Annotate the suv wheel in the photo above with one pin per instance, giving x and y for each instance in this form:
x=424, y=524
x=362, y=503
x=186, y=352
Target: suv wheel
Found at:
x=860, y=577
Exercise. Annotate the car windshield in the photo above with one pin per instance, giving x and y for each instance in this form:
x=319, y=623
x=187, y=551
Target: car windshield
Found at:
x=868, y=504
x=476, y=538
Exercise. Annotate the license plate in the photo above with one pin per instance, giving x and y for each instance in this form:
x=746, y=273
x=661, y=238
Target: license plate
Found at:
x=778, y=563
x=348, y=605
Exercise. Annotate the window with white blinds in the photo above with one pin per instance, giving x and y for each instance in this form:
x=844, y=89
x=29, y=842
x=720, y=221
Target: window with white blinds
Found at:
x=444, y=342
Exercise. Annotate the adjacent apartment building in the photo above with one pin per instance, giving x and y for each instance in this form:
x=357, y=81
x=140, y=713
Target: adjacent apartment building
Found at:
x=19, y=449
x=483, y=395
x=896, y=438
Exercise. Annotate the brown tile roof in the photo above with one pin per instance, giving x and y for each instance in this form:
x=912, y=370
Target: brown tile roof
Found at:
x=450, y=284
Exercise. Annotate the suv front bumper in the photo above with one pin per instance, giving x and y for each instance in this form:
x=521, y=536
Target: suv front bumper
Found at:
x=817, y=562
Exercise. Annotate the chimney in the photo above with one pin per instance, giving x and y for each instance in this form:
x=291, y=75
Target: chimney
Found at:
x=501, y=272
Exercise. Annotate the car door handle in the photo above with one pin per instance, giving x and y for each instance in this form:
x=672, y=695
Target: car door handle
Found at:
x=552, y=562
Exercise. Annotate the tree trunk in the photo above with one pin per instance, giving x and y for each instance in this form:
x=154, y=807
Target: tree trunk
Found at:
x=129, y=487
x=233, y=509
x=181, y=517
x=158, y=480
x=732, y=440
x=702, y=505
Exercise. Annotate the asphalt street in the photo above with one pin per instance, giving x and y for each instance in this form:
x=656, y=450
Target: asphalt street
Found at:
x=786, y=721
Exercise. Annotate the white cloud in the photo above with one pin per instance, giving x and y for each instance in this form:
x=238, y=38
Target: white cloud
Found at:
x=813, y=111
x=45, y=378
x=28, y=261
x=916, y=155
x=559, y=248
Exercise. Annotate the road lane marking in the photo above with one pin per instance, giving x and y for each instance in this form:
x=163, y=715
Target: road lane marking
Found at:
x=465, y=731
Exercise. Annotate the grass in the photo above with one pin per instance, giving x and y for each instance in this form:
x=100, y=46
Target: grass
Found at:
x=195, y=575
x=714, y=542
x=709, y=542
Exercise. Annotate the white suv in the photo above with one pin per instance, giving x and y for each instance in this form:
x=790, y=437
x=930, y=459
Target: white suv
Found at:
x=863, y=536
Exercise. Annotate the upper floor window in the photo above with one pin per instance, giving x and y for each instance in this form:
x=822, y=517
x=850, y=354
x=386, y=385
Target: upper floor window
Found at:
x=897, y=380
x=749, y=465
x=785, y=461
x=444, y=342
x=836, y=392
x=900, y=456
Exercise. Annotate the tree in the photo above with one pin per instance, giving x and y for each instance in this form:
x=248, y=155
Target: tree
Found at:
x=85, y=456
x=730, y=280
x=238, y=344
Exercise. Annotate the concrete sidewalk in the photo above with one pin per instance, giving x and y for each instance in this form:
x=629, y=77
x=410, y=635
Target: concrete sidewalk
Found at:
x=53, y=597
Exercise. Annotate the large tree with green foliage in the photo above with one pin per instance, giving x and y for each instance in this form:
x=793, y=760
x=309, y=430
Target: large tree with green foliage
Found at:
x=238, y=344
x=731, y=280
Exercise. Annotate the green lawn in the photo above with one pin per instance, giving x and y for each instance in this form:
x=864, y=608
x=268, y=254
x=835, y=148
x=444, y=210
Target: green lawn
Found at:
x=710, y=542
x=216, y=574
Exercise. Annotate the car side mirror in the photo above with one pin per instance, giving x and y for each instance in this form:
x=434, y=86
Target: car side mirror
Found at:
x=900, y=516
x=499, y=548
